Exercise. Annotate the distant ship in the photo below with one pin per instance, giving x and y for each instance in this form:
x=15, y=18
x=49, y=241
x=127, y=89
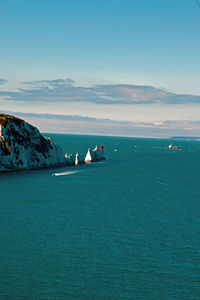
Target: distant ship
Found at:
x=174, y=147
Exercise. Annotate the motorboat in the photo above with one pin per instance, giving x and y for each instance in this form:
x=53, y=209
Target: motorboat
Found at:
x=174, y=147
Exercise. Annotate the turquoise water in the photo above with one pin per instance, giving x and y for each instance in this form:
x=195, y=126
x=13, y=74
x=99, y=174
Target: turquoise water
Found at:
x=124, y=228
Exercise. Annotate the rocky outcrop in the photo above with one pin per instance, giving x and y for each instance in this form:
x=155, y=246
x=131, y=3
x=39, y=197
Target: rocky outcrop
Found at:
x=94, y=155
x=79, y=159
x=23, y=147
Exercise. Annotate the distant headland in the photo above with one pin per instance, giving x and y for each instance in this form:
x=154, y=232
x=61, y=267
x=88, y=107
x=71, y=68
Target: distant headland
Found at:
x=187, y=138
x=23, y=147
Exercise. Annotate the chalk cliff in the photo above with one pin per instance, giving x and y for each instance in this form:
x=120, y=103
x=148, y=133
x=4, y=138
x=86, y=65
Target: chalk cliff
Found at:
x=23, y=147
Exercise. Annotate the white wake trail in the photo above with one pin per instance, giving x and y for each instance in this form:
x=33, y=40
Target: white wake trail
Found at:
x=66, y=173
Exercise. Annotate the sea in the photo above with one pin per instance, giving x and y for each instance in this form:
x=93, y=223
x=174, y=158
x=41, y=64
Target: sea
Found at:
x=124, y=228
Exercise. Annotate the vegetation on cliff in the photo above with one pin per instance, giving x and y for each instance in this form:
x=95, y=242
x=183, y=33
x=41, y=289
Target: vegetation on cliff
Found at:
x=23, y=146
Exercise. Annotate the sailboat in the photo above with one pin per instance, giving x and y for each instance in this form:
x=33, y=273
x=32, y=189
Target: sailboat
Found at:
x=174, y=147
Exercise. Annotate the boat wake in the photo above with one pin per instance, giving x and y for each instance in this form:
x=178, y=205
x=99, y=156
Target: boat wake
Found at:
x=66, y=173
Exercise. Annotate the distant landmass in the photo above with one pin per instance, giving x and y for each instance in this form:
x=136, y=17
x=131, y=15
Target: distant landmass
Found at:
x=189, y=138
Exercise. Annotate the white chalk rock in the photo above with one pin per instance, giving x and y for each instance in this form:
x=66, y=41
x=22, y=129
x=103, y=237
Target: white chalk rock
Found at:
x=23, y=147
x=94, y=155
x=79, y=159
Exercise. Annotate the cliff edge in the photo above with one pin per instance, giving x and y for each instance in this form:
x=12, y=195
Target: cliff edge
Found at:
x=23, y=147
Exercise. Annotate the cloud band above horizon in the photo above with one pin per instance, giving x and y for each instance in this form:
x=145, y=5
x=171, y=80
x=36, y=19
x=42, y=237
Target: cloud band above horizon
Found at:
x=77, y=124
x=65, y=90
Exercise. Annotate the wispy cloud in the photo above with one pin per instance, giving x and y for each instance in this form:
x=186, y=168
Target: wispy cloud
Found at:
x=134, y=94
x=85, y=125
x=65, y=90
x=51, y=83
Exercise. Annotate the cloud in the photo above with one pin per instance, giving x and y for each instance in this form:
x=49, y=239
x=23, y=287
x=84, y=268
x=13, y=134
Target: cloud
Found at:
x=65, y=117
x=58, y=90
x=134, y=94
x=2, y=81
x=51, y=83
x=77, y=124
x=65, y=90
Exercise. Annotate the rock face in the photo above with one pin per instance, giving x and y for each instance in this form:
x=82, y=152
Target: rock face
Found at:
x=79, y=159
x=94, y=155
x=23, y=147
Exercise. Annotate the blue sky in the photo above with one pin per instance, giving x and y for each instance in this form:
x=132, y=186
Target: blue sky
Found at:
x=103, y=47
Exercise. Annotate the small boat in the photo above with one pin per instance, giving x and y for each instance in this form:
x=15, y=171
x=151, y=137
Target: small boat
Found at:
x=174, y=147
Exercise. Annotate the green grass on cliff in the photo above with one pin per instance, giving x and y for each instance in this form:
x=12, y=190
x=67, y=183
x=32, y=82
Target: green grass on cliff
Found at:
x=4, y=119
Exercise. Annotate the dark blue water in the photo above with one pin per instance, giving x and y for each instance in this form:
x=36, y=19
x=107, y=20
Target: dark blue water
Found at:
x=125, y=228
